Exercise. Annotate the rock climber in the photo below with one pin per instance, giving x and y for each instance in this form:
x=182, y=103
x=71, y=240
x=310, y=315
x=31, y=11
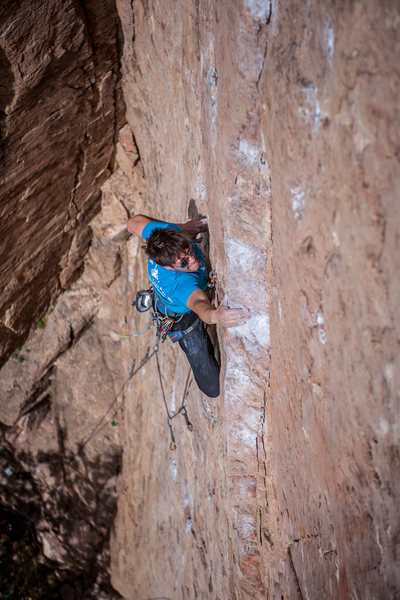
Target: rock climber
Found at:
x=179, y=278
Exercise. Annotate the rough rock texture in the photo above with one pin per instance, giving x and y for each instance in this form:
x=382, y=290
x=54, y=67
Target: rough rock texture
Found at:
x=331, y=123
x=61, y=405
x=280, y=121
x=59, y=102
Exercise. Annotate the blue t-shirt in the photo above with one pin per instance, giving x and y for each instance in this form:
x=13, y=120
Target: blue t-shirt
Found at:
x=173, y=288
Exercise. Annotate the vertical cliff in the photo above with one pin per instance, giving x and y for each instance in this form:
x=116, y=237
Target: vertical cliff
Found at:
x=280, y=122
x=331, y=125
x=59, y=103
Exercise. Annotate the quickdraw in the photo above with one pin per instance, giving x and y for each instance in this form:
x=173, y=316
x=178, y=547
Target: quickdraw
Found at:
x=163, y=325
x=172, y=445
x=211, y=285
x=188, y=423
x=212, y=279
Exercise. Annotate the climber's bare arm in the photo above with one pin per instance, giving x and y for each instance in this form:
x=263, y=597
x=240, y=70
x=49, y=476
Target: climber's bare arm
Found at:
x=227, y=317
x=137, y=223
x=192, y=228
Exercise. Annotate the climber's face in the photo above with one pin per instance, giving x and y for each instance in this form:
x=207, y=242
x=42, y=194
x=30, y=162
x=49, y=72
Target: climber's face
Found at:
x=186, y=262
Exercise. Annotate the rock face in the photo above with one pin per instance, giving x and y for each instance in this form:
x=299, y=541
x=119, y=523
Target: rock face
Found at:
x=332, y=409
x=59, y=102
x=60, y=443
x=280, y=121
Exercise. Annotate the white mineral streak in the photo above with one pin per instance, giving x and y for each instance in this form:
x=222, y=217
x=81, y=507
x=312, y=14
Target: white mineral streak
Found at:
x=189, y=524
x=201, y=189
x=172, y=404
x=246, y=524
x=246, y=268
x=331, y=42
x=321, y=329
x=249, y=153
x=383, y=426
x=237, y=371
x=298, y=202
x=336, y=240
x=255, y=332
x=174, y=469
x=389, y=372
x=310, y=109
x=260, y=9
x=246, y=263
x=186, y=498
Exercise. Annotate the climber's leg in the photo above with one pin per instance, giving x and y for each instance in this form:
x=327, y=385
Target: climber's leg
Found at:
x=200, y=354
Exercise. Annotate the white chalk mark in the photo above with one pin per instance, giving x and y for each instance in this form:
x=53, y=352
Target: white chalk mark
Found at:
x=298, y=202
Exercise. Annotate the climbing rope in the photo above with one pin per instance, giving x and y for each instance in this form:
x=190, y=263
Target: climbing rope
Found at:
x=181, y=409
x=131, y=335
x=133, y=371
x=103, y=422
x=163, y=327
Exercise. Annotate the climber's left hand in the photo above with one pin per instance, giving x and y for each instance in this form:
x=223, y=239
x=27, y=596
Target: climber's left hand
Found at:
x=194, y=227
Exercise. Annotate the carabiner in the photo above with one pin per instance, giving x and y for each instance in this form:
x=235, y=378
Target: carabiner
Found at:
x=188, y=423
x=172, y=445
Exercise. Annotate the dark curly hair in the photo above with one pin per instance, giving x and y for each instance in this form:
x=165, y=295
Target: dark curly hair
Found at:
x=165, y=245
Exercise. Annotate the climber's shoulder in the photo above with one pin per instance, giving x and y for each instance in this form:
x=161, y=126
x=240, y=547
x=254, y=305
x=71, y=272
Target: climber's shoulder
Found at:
x=137, y=223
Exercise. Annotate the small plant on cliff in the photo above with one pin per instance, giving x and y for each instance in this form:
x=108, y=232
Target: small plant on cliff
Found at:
x=17, y=355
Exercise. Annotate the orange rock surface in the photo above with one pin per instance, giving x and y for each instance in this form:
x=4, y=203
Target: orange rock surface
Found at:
x=280, y=122
x=59, y=103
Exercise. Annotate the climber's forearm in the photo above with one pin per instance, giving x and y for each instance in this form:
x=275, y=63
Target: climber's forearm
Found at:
x=200, y=304
x=205, y=311
x=192, y=228
x=223, y=315
x=137, y=223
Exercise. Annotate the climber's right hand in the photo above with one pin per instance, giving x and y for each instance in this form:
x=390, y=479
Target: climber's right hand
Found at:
x=231, y=317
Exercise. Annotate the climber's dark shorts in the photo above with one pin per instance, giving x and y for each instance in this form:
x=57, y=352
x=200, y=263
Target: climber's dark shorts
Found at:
x=200, y=354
